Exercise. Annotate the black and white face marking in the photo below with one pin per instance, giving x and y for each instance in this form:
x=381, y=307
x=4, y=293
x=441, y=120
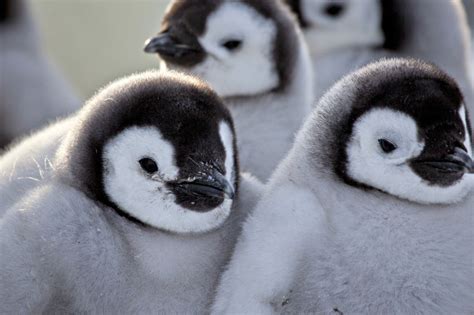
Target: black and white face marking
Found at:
x=232, y=45
x=144, y=179
x=333, y=24
x=164, y=154
x=418, y=148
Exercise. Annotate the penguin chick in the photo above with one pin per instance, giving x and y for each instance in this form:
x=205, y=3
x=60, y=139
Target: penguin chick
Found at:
x=330, y=25
x=32, y=92
x=344, y=35
x=141, y=211
x=252, y=53
x=387, y=226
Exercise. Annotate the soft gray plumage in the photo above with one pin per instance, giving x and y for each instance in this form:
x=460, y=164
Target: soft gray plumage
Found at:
x=28, y=162
x=31, y=88
x=325, y=238
x=469, y=6
x=72, y=249
x=435, y=31
x=263, y=74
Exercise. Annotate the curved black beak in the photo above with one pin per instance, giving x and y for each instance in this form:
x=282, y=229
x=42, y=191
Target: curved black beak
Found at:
x=214, y=185
x=457, y=162
x=167, y=45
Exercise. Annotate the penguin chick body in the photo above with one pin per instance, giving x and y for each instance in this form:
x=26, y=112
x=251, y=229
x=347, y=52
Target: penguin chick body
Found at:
x=253, y=54
x=28, y=162
x=387, y=227
x=138, y=216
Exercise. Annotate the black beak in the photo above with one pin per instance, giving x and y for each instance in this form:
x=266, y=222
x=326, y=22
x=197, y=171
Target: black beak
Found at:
x=214, y=185
x=457, y=162
x=167, y=45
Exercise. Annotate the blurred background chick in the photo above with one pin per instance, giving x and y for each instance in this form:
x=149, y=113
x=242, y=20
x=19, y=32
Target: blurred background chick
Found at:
x=32, y=91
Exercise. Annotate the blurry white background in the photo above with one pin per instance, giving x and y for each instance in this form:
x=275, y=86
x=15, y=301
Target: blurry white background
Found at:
x=95, y=41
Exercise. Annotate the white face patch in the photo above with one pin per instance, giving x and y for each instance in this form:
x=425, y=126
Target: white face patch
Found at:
x=227, y=140
x=467, y=141
x=358, y=23
x=145, y=196
x=390, y=172
x=244, y=70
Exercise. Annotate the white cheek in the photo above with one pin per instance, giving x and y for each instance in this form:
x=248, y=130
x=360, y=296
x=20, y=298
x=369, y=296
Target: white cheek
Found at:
x=126, y=183
x=396, y=127
x=467, y=141
x=148, y=199
x=227, y=140
x=394, y=176
x=251, y=68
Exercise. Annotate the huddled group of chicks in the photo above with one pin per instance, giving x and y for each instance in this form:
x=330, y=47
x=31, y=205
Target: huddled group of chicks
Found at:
x=290, y=156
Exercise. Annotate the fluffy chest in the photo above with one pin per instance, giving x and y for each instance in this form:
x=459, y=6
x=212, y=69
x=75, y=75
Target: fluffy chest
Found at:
x=266, y=127
x=149, y=273
x=388, y=256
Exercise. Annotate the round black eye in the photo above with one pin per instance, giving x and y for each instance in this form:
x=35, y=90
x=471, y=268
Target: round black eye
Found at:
x=334, y=9
x=148, y=165
x=387, y=146
x=232, y=44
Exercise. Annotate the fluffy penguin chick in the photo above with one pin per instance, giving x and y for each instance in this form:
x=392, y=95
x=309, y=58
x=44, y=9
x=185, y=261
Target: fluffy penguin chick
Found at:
x=32, y=92
x=252, y=53
x=344, y=35
x=141, y=212
x=387, y=226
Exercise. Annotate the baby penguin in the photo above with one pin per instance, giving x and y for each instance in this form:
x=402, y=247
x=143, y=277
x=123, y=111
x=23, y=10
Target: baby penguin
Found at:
x=331, y=25
x=344, y=35
x=371, y=212
x=252, y=53
x=32, y=92
x=141, y=211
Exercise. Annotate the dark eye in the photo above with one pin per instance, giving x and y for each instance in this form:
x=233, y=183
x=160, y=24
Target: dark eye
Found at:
x=387, y=146
x=232, y=44
x=334, y=9
x=148, y=165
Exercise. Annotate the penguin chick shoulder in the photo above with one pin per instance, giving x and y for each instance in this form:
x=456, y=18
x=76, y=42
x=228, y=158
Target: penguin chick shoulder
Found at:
x=253, y=54
x=387, y=225
x=141, y=212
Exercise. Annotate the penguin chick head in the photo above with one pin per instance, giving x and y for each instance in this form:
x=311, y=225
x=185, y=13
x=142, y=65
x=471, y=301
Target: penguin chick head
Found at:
x=240, y=48
x=402, y=128
x=329, y=25
x=159, y=149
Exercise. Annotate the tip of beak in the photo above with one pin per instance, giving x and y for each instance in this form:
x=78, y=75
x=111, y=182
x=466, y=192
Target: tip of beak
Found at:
x=149, y=47
x=463, y=157
x=229, y=193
